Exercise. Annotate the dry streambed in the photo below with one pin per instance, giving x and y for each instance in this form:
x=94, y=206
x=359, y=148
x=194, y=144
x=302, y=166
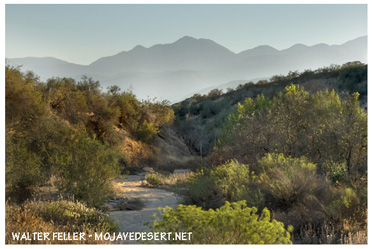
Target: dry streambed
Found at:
x=152, y=198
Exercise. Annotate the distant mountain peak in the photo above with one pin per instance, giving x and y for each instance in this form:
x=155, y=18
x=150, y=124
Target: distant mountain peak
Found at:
x=264, y=47
x=298, y=45
x=258, y=51
x=187, y=38
x=295, y=48
x=138, y=48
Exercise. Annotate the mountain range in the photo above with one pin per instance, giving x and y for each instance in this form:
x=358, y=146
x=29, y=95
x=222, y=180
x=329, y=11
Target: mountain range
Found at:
x=179, y=69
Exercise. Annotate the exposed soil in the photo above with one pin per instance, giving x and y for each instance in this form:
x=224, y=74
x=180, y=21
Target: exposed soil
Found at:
x=153, y=198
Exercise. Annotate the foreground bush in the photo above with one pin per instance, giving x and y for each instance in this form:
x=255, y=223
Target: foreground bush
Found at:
x=231, y=181
x=202, y=191
x=234, y=223
x=287, y=181
x=85, y=169
x=350, y=205
x=58, y=216
x=22, y=171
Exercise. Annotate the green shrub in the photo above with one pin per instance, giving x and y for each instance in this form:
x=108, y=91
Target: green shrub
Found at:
x=233, y=223
x=231, y=181
x=236, y=181
x=154, y=178
x=321, y=127
x=287, y=181
x=146, y=132
x=202, y=191
x=23, y=103
x=349, y=203
x=22, y=170
x=336, y=171
x=85, y=168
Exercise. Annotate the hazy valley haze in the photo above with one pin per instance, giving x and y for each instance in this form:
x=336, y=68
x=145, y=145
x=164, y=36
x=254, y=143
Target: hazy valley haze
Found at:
x=177, y=70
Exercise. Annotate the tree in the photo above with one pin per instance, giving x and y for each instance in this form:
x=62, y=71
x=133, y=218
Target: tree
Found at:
x=321, y=127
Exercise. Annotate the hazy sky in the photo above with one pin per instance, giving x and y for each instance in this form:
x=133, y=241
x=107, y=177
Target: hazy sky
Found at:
x=83, y=33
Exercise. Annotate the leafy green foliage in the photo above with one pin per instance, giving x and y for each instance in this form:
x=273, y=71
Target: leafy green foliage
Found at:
x=22, y=170
x=200, y=119
x=154, y=178
x=231, y=181
x=233, y=223
x=68, y=130
x=321, y=127
x=350, y=203
x=23, y=105
x=287, y=181
x=146, y=132
x=215, y=94
x=354, y=78
x=236, y=182
x=201, y=190
x=85, y=168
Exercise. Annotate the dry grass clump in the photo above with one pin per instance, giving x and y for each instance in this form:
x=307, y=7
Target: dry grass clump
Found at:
x=359, y=237
x=348, y=231
x=25, y=220
x=158, y=179
x=355, y=232
x=55, y=216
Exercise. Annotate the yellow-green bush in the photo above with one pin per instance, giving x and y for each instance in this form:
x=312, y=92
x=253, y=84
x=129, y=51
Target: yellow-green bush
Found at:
x=233, y=223
x=322, y=127
x=146, y=132
x=231, y=181
x=154, y=178
x=350, y=204
x=202, y=191
x=287, y=181
x=235, y=181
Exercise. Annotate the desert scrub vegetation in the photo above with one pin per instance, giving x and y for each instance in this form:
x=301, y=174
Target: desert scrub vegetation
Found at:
x=233, y=223
x=72, y=132
x=158, y=179
x=75, y=133
x=200, y=118
x=294, y=192
x=231, y=181
x=81, y=166
x=56, y=216
x=309, y=152
x=321, y=127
